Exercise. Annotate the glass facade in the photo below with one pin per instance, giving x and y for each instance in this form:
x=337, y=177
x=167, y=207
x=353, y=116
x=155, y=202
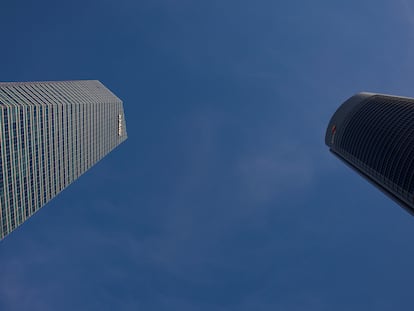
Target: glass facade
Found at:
x=374, y=134
x=51, y=133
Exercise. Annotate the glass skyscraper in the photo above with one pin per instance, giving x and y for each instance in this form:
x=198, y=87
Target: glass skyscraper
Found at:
x=51, y=133
x=374, y=135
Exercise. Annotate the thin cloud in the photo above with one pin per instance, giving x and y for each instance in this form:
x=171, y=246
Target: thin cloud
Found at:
x=265, y=175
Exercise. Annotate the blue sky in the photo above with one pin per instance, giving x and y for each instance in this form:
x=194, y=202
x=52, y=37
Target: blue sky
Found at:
x=224, y=197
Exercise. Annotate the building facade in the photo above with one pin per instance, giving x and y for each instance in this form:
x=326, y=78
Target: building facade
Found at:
x=374, y=134
x=51, y=133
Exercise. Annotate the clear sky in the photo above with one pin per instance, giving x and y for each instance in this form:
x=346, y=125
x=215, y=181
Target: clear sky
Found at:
x=224, y=197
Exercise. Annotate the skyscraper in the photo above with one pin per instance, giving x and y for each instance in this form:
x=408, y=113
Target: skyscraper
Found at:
x=51, y=133
x=374, y=135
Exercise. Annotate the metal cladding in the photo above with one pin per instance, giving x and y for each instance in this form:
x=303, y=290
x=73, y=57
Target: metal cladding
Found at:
x=51, y=133
x=374, y=134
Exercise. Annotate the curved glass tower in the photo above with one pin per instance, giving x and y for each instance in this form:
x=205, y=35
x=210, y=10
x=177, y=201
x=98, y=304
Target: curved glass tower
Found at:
x=374, y=134
x=50, y=134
